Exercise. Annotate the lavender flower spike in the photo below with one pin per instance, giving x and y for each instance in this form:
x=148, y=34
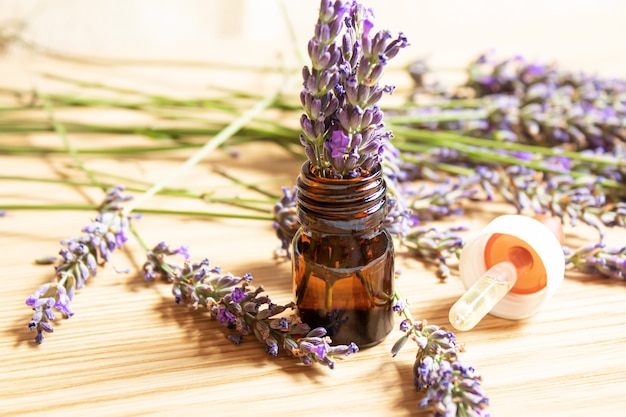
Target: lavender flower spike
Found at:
x=452, y=388
x=243, y=308
x=342, y=126
x=79, y=261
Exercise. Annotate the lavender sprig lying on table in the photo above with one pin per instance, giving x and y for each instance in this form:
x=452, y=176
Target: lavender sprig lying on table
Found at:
x=243, y=308
x=580, y=197
x=452, y=388
x=555, y=106
x=597, y=258
x=80, y=260
x=533, y=102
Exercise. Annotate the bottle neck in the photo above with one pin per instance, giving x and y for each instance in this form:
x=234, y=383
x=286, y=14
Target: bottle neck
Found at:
x=331, y=205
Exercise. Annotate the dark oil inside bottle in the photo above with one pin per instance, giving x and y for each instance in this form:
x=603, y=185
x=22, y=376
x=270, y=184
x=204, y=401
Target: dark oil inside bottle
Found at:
x=344, y=283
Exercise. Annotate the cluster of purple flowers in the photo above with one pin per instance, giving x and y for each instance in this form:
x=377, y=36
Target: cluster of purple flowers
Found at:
x=534, y=102
x=452, y=388
x=243, y=308
x=557, y=185
x=286, y=222
x=80, y=260
x=343, y=130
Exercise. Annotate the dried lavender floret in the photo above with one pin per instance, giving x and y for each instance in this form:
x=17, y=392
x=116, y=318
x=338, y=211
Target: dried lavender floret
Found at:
x=156, y=267
x=79, y=261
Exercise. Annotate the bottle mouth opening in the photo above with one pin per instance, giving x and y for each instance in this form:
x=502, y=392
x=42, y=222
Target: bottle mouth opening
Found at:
x=340, y=199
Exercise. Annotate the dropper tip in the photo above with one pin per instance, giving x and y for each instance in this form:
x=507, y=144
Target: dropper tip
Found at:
x=459, y=321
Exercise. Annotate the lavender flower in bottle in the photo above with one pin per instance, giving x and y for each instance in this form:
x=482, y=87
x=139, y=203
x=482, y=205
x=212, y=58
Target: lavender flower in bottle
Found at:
x=343, y=258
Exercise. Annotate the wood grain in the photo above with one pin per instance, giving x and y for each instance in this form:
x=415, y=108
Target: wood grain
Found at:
x=131, y=351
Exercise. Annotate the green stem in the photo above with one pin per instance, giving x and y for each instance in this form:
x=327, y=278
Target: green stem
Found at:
x=60, y=130
x=266, y=131
x=81, y=207
x=441, y=166
x=248, y=185
x=405, y=311
x=140, y=240
x=129, y=151
x=468, y=145
x=237, y=201
x=446, y=138
x=218, y=140
x=450, y=116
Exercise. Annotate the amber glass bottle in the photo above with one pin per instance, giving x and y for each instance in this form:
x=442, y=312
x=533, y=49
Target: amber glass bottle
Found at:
x=343, y=258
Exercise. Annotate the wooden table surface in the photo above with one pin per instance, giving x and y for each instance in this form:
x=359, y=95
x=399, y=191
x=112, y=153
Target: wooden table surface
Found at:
x=130, y=350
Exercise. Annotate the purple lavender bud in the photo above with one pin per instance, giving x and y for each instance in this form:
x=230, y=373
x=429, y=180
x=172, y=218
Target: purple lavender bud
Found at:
x=236, y=339
x=327, y=81
x=394, y=47
x=374, y=75
x=356, y=116
x=307, y=128
x=46, y=327
x=224, y=316
x=67, y=256
x=281, y=324
x=91, y=263
x=237, y=295
x=319, y=350
x=343, y=116
x=63, y=305
x=111, y=241
x=104, y=252
x=337, y=144
x=178, y=296
x=70, y=292
x=405, y=326
x=82, y=271
x=379, y=44
x=316, y=332
x=251, y=307
x=374, y=97
x=398, y=305
x=37, y=316
x=322, y=33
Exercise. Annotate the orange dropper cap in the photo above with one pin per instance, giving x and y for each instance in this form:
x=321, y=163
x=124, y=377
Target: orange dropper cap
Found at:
x=510, y=269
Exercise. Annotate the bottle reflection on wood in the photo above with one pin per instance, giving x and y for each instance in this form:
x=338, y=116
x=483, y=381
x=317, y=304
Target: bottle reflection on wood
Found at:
x=343, y=258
